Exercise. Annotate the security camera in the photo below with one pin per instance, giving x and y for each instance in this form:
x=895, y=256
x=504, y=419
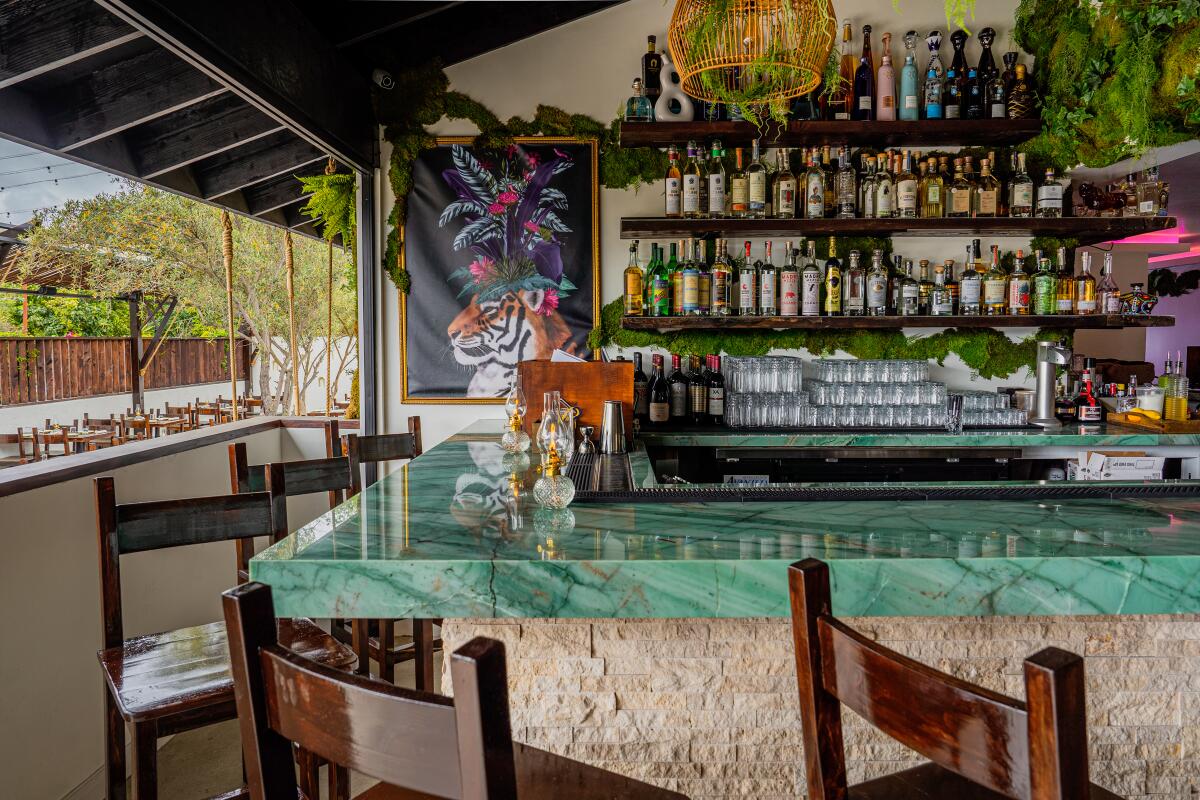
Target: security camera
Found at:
x=383, y=79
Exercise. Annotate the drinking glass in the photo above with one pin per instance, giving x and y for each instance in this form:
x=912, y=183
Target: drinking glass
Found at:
x=825, y=417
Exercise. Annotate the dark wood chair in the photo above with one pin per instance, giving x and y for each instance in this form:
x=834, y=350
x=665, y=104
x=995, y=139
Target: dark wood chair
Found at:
x=48, y=442
x=332, y=475
x=166, y=683
x=185, y=411
x=981, y=745
x=384, y=647
x=419, y=744
x=112, y=424
x=33, y=453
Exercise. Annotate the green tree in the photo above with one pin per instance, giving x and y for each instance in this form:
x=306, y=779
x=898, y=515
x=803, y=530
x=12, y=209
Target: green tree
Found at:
x=142, y=238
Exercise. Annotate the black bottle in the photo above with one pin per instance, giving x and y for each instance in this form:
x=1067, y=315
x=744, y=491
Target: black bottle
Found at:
x=716, y=391
x=679, y=391
x=641, y=396
x=973, y=102
x=987, y=64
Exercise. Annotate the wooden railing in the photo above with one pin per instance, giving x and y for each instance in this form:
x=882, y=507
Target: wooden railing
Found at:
x=40, y=370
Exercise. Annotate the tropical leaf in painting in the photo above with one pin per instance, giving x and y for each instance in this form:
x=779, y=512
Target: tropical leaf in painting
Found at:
x=481, y=181
x=547, y=257
x=460, y=207
x=477, y=231
x=555, y=198
x=550, y=220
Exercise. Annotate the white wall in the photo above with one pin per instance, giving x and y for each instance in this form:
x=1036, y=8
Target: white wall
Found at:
x=51, y=687
x=587, y=66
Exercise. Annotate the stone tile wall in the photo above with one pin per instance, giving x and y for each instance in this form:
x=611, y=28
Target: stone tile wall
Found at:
x=708, y=707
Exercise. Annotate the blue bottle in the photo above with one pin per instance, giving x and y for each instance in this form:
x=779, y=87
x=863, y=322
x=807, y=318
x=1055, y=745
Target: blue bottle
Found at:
x=933, y=95
x=909, y=103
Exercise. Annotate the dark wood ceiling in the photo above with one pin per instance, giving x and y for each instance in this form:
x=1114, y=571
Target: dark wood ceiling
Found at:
x=227, y=101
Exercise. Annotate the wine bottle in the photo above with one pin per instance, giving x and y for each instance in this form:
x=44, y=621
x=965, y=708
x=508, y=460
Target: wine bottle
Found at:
x=659, y=392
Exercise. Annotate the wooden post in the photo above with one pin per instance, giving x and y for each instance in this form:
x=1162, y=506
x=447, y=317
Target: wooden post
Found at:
x=137, y=385
x=289, y=260
x=329, y=391
x=227, y=252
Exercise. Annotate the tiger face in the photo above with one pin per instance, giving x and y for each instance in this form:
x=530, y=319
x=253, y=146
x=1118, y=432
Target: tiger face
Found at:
x=494, y=335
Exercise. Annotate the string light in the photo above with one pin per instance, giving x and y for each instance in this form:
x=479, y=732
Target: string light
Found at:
x=52, y=180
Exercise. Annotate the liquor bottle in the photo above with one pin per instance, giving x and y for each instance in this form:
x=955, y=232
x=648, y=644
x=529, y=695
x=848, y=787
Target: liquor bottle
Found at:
x=910, y=293
x=995, y=287
x=716, y=181
x=1020, y=290
x=638, y=107
x=810, y=284
x=1020, y=96
x=701, y=262
x=987, y=68
x=716, y=391
x=854, y=287
x=1088, y=409
x=962, y=193
x=973, y=100
x=652, y=71
x=1009, y=74
x=674, y=182
x=1107, y=293
x=1085, y=287
x=814, y=189
x=940, y=302
x=1045, y=288
x=693, y=179
x=659, y=392
x=906, y=190
x=885, y=84
x=1148, y=193
x=784, y=194
x=679, y=259
x=951, y=97
x=756, y=177
x=884, y=189
x=932, y=192
x=789, y=284
x=877, y=286
x=768, y=300
x=970, y=288
x=956, y=83
x=933, y=77
x=747, y=286
x=847, y=187
x=830, y=184
x=924, y=287
x=987, y=192
x=634, y=289
x=909, y=104
x=864, y=81
x=660, y=286
x=721, y=282
x=1050, y=196
x=951, y=283
x=697, y=392
x=739, y=189
x=995, y=99
x=831, y=291
x=1020, y=191
x=866, y=187
x=1065, y=289
x=841, y=99
x=641, y=395
x=690, y=281
x=678, y=383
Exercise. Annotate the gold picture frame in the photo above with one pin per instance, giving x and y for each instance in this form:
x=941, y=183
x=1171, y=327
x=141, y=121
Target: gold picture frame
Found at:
x=445, y=141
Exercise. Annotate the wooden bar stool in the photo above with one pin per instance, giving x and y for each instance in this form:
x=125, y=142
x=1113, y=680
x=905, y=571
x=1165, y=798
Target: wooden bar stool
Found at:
x=980, y=744
x=384, y=647
x=419, y=744
x=166, y=683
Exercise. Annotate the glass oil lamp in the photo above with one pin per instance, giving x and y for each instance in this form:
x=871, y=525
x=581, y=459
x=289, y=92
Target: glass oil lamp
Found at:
x=515, y=439
x=553, y=489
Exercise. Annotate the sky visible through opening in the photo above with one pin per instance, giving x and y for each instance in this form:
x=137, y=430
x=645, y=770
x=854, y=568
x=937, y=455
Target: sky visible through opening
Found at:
x=32, y=180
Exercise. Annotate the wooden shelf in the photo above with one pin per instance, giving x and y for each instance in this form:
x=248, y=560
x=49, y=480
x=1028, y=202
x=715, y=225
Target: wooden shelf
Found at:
x=1088, y=230
x=898, y=133
x=1074, y=321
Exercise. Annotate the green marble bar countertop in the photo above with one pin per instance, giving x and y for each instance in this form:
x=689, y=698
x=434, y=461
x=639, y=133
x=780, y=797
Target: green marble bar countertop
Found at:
x=444, y=537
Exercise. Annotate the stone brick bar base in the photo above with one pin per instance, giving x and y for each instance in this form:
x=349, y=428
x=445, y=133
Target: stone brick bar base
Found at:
x=708, y=707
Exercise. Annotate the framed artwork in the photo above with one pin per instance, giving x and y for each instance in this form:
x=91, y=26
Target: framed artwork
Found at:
x=503, y=252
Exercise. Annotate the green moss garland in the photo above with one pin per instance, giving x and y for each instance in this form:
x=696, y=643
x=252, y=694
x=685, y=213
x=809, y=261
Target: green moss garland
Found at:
x=989, y=353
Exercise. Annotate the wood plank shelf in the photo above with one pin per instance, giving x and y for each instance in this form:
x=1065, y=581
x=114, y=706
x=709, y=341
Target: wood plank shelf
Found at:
x=1088, y=230
x=1066, y=321
x=895, y=133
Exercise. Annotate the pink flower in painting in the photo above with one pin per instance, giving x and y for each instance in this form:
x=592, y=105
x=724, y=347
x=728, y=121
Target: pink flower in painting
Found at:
x=481, y=269
x=533, y=159
x=507, y=198
x=511, y=150
x=532, y=227
x=496, y=208
x=549, y=303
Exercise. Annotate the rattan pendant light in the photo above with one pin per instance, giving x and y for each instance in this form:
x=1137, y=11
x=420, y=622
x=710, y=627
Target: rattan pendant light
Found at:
x=760, y=51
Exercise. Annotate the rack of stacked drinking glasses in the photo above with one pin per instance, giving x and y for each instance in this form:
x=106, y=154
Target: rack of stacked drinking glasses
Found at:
x=770, y=392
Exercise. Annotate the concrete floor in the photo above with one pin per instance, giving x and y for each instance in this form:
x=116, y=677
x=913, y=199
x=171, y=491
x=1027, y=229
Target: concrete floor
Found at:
x=205, y=762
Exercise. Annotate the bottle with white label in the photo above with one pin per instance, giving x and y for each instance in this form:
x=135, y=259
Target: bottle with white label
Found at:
x=756, y=175
x=1050, y=196
x=1107, y=292
x=969, y=287
x=941, y=303
x=768, y=299
x=877, y=286
x=716, y=181
x=854, y=288
x=814, y=189
x=789, y=284
x=693, y=184
x=747, y=286
x=785, y=185
x=1020, y=191
x=1085, y=286
x=674, y=184
x=906, y=190
x=810, y=284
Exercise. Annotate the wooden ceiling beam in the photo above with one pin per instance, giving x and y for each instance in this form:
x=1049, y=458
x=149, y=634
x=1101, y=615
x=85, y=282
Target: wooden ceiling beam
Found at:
x=280, y=191
x=39, y=36
x=277, y=154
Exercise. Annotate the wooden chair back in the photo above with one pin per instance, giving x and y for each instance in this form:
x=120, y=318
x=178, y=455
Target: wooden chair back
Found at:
x=33, y=453
x=460, y=748
x=381, y=447
x=47, y=441
x=138, y=527
x=111, y=424
x=332, y=475
x=184, y=411
x=1021, y=751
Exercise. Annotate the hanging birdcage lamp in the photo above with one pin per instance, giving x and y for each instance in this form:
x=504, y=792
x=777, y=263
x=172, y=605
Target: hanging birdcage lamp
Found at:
x=752, y=51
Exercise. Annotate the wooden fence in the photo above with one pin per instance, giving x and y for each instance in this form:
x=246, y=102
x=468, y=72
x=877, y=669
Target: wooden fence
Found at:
x=41, y=370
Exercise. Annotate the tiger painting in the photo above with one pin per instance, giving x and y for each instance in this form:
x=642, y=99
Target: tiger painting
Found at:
x=492, y=336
